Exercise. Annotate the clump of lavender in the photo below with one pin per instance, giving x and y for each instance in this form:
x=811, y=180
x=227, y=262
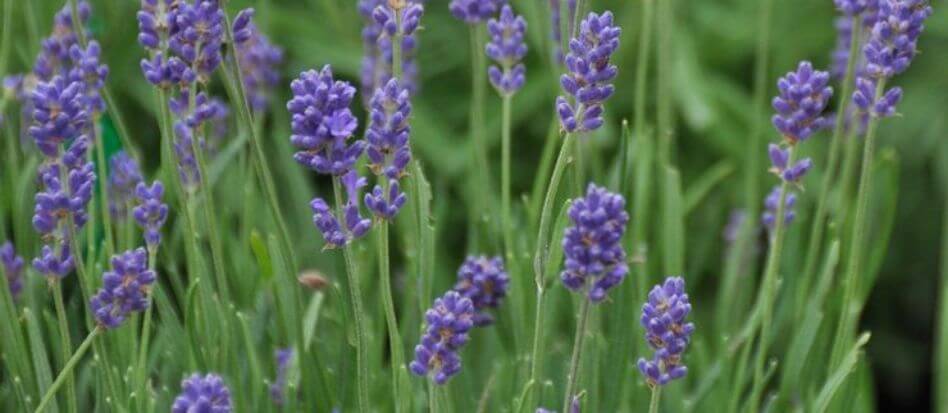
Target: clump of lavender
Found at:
x=888, y=52
x=150, y=213
x=667, y=331
x=485, y=282
x=355, y=226
x=278, y=387
x=206, y=393
x=592, y=245
x=125, y=289
x=803, y=96
x=590, y=74
x=780, y=158
x=475, y=11
x=90, y=72
x=388, y=150
x=54, y=57
x=12, y=268
x=448, y=323
x=507, y=48
x=124, y=177
x=322, y=123
x=772, y=204
x=258, y=60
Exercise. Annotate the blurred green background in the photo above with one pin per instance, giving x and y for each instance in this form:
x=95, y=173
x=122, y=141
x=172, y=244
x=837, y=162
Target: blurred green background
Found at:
x=712, y=53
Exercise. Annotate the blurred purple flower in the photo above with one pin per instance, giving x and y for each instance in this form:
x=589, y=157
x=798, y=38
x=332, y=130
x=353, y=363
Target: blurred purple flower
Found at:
x=278, y=387
x=485, y=282
x=124, y=176
x=12, y=268
x=203, y=394
x=475, y=11
x=507, y=48
x=258, y=60
x=771, y=204
x=150, y=213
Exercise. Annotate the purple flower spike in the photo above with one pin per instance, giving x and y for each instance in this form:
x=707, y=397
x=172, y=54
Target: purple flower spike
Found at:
x=803, y=96
x=258, y=60
x=507, y=48
x=124, y=290
x=54, y=264
x=197, y=33
x=188, y=169
x=124, y=177
x=387, y=135
x=377, y=36
x=12, y=267
x=448, y=323
x=154, y=24
x=590, y=74
x=411, y=14
x=844, y=40
x=592, y=245
x=475, y=11
x=283, y=357
x=58, y=201
x=771, y=203
x=204, y=394
x=386, y=204
x=58, y=114
x=667, y=332
x=484, y=281
x=53, y=58
x=91, y=73
x=329, y=225
x=780, y=157
x=322, y=123
x=151, y=213
x=167, y=72
x=243, y=25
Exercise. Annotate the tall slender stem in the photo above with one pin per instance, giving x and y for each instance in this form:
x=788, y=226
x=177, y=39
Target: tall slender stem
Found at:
x=103, y=189
x=57, y=287
x=141, y=370
x=768, y=289
x=819, y=219
x=67, y=370
x=656, y=399
x=394, y=336
x=573, y=375
x=505, y=178
x=850, y=306
x=358, y=314
x=481, y=166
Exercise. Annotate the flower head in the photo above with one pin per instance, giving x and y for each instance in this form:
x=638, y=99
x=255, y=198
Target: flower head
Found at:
x=258, y=60
x=150, y=213
x=197, y=33
x=353, y=225
x=205, y=394
x=58, y=114
x=12, y=268
x=484, y=281
x=803, y=96
x=448, y=322
x=89, y=71
x=592, y=245
x=772, y=204
x=387, y=135
x=666, y=330
x=154, y=23
x=164, y=71
x=57, y=201
x=507, y=48
x=322, y=123
x=124, y=176
x=590, y=73
x=475, y=11
x=54, y=58
x=124, y=290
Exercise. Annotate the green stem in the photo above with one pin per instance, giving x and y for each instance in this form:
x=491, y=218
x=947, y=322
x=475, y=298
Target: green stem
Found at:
x=6, y=35
x=850, y=305
x=67, y=370
x=573, y=375
x=394, y=336
x=66, y=341
x=103, y=190
x=505, y=178
x=941, y=345
x=656, y=399
x=141, y=371
x=846, y=185
x=358, y=314
x=768, y=289
x=478, y=86
x=819, y=219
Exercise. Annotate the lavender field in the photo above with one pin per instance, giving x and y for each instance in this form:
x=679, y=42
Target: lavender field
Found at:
x=526, y=206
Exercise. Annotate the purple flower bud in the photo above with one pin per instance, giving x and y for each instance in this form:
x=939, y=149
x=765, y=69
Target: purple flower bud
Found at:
x=778, y=156
x=197, y=34
x=484, y=281
x=57, y=201
x=54, y=264
x=666, y=331
x=166, y=73
x=89, y=72
x=205, y=394
x=58, y=114
x=243, y=25
x=123, y=178
x=151, y=213
x=448, y=322
x=590, y=73
x=475, y=11
x=387, y=135
x=592, y=246
x=12, y=268
x=850, y=7
x=329, y=225
x=803, y=96
x=386, y=204
x=771, y=204
x=124, y=290
x=507, y=48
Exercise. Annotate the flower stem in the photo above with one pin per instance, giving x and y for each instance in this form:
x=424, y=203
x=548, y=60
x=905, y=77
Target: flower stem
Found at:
x=66, y=342
x=103, y=190
x=505, y=178
x=767, y=296
x=394, y=336
x=67, y=370
x=850, y=305
x=656, y=399
x=481, y=167
x=573, y=374
x=141, y=371
x=358, y=314
x=819, y=219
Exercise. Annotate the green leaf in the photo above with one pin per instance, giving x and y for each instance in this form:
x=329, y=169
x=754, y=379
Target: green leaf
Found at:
x=44, y=376
x=673, y=231
x=837, y=377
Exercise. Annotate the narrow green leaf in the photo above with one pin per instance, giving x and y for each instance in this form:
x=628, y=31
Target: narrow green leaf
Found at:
x=837, y=377
x=44, y=375
x=705, y=183
x=673, y=231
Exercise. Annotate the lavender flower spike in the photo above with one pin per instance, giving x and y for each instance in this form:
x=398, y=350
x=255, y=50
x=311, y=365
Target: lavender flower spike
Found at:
x=278, y=387
x=58, y=114
x=592, y=245
x=205, y=394
x=123, y=178
x=507, y=48
x=590, y=74
x=772, y=203
x=780, y=157
x=328, y=224
x=663, y=317
x=150, y=213
x=322, y=123
x=474, y=11
x=258, y=60
x=387, y=135
x=90, y=72
x=125, y=289
x=197, y=35
x=803, y=96
x=12, y=268
x=448, y=322
x=484, y=281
